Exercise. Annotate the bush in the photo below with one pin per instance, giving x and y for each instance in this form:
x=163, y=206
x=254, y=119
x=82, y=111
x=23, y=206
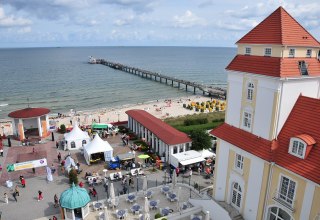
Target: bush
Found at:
x=196, y=185
x=73, y=177
x=158, y=215
x=123, y=129
x=63, y=129
x=184, y=105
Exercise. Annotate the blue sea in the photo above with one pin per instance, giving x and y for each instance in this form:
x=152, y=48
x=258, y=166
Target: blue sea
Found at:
x=62, y=79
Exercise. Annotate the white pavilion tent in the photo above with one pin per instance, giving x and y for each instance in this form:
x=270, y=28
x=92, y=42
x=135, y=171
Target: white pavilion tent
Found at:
x=97, y=150
x=76, y=138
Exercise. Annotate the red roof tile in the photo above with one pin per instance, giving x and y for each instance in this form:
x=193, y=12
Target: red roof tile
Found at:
x=306, y=138
x=280, y=28
x=273, y=66
x=303, y=119
x=162, y=130
x=257, y=146
x=29, y=113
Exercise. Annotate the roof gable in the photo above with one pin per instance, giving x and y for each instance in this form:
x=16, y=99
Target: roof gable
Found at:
x=279, y=28
x=162, y=130
x=303, y=119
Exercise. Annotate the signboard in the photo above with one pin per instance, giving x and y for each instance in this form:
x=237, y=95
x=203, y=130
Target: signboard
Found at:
x=27, y=165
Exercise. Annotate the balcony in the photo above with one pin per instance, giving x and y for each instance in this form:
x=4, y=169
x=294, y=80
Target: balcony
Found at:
x=284, y=200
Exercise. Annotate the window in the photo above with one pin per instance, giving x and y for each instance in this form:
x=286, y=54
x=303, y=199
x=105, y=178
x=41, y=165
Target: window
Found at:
x=236, y=195
x=250, y=91
x=309, y=53
x=292, y=52
x=247, y=118
x=175, y=149
x=73, y=144
x=287, y=190
x=248, y=51
x=276, y=213
x=180, y=149
x=267, y=51
x=84, y=142
x=297, y=147
x=239, y=162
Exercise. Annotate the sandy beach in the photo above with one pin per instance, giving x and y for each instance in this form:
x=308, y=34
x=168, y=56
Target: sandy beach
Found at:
x=162, y=109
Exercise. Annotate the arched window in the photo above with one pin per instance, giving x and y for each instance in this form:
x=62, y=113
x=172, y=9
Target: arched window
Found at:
x=84, y=142
x=175, y=149
x=73, y=144
x=276, y=213
x=250, y=90
x=236, y=195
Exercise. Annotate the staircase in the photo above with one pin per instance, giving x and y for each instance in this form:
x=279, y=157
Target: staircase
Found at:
x=233, y=213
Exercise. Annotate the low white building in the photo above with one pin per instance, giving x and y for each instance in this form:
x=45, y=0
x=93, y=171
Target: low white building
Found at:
x=76, y=139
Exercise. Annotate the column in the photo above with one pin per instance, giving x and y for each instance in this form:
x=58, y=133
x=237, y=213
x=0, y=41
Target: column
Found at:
x=47, y=122
x=39, y=126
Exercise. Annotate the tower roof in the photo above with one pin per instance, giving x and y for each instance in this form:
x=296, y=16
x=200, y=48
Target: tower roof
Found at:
x=74, y=197
x=282, y=29
x=29, y=113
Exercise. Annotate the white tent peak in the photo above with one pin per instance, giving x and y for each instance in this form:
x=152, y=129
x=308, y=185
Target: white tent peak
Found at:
x=97, y=145
x=76, y=133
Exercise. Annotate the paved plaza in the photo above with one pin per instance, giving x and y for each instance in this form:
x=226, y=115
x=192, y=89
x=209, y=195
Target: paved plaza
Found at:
x=28, y=207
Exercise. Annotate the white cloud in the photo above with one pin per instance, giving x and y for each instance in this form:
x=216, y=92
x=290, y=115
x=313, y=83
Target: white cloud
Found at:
x=11, y=20
x=188, y=20
x=124, y=21
x=24, y=30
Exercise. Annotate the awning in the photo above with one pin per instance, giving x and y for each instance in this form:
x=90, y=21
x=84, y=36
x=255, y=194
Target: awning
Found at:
x=99, y=126
x=192, y=161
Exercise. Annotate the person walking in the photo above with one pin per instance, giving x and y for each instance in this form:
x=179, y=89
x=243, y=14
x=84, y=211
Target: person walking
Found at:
x=23, y=182
x=5, y=197
x=94, y=192
x=56, y=201
x=14, y=194
x=59, y=157
x=17, y=191
x=40, y=197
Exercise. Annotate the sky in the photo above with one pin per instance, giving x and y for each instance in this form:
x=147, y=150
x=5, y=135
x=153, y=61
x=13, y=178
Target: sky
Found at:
x=205, y=23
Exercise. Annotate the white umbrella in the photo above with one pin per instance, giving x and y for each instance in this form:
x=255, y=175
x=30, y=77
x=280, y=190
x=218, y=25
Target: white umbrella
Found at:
x=145, y=184
x=178, y=199
x=174, y=179
x=207, y=217
x=146, y=209
x=49, y=174
x=112, y=195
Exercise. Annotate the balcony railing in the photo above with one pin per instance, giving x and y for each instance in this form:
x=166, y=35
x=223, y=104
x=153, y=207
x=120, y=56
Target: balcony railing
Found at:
x=284, y=200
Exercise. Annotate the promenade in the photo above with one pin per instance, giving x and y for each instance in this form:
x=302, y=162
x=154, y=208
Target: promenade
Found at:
x=28, y=207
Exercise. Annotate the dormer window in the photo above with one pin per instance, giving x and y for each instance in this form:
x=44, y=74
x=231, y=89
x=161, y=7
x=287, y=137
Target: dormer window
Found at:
x=267, y=51
x=297, y=147
x=303, y=67
x=292, y=52
x=248, y=51
x=309, y=53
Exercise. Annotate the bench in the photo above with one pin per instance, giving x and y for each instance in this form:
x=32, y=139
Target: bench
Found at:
x=94, y=179
x=112, y=176
x=136, y=171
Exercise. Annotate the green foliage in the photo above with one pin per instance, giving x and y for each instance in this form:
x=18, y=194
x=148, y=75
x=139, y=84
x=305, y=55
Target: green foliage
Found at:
x=73, y=177
x=157, y=215
x=184, y=105
x=195, y=121
x=123, y=129
x=196, y=185
x=200, y=140
x=63, y=129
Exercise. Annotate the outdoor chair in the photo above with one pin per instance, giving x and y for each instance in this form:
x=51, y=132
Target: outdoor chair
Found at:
x=141, y=217
x=101, y=216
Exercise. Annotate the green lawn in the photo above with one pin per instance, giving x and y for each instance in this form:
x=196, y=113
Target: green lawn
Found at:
x=214, y=120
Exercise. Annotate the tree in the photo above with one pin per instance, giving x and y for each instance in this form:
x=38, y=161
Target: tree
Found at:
x=200, y=140
x=62, y=128
x=73, y=177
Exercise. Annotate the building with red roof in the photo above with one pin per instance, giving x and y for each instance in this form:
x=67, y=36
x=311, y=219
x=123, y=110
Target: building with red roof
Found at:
x=268, y=155
x=163, y=139
x=30, y=122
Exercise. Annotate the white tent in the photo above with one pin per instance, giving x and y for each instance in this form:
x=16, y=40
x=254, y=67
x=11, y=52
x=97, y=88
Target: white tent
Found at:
x=97, y=146
x=76, y=138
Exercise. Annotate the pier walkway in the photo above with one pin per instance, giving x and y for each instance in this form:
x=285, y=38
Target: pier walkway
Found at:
x=214, y=91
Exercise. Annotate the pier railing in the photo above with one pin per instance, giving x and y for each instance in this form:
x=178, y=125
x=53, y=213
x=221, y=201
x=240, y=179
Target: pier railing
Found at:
x=214, y=91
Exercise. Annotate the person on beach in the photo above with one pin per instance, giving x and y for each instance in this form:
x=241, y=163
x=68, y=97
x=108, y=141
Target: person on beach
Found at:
x=40, y=197
x=17, y=191
x=15, y=196
x=59, y=157
x=23, y=182
x=56, y=201
x=5, y=197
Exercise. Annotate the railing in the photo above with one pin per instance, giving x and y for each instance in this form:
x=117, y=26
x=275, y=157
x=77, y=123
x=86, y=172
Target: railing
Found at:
x=284, y=201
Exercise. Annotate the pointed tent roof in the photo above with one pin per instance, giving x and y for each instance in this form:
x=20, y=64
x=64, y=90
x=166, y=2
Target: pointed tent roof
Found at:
x=97, y=145
x=74, y=197
x=76, y=133
x=280, y=28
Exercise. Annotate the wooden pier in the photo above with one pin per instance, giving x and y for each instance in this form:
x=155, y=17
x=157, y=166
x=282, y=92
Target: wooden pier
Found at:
x=213, y=91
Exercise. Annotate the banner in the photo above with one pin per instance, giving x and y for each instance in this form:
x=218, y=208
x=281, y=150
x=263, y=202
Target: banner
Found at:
x=27, y=165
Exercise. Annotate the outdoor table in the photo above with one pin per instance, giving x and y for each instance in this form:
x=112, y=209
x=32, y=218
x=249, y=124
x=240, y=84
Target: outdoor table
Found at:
x=131, y=197
x=172, y=196
x=153, y=203
x=149, y=194
x=98, y=205
x=165, y=211
x=135, y=208
x=105, y=172
x=196, y=218
x=121, y=213
x=165, y=189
